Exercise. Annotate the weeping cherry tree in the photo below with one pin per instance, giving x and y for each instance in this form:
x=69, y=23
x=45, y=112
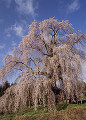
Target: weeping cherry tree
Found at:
x=49, y=53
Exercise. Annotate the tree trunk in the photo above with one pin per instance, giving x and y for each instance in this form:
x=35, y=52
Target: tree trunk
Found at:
x=51, y=100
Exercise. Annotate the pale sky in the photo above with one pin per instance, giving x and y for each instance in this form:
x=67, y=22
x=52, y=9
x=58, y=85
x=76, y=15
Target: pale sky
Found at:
x=16, y=15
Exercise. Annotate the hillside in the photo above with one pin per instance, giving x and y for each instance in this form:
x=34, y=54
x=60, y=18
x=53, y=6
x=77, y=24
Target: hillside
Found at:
x=64, y=112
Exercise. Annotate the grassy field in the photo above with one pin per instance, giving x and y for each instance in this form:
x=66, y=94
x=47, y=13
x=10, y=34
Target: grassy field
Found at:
x=64, y=112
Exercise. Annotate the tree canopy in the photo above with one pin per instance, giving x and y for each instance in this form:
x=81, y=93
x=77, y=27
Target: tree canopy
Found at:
x=49, y=53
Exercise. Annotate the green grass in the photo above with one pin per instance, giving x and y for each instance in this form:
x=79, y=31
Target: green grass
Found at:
x=61, y=106
x=64, y=106
x=31, y=114
x=27, y=111
x=78, y=106
x=7, y=116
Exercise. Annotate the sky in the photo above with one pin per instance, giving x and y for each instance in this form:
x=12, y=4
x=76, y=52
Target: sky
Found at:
x=17, y=15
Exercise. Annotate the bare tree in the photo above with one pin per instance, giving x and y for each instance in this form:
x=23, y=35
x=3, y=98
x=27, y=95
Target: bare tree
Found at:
x=49, y=53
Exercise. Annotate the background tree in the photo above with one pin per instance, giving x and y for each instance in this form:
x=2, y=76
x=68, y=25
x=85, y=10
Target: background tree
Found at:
x=49, y=53
x=4, y=87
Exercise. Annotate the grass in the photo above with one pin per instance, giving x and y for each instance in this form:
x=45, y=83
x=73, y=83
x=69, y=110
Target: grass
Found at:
x=24, y=112
x=64, y=112
x=64, y=106
x=61, y=106
x=76, y=106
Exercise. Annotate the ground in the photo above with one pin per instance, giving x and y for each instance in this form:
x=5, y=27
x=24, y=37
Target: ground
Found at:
x=64, y=112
